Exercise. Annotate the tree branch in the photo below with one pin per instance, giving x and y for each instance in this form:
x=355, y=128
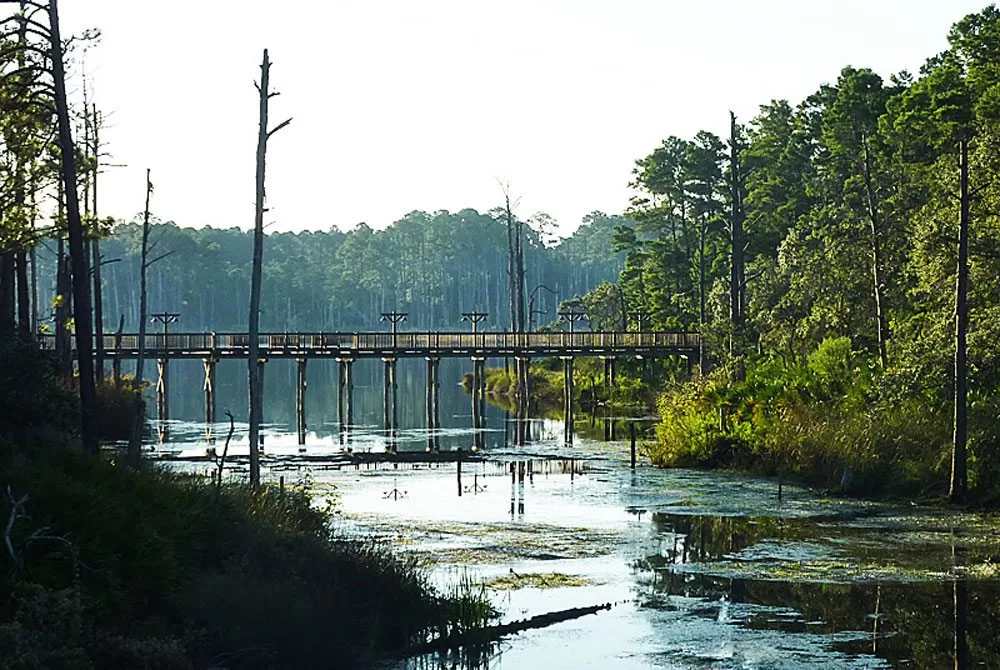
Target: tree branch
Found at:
x=278, y=127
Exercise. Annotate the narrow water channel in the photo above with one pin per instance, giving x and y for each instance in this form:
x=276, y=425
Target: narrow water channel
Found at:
x=702, y=570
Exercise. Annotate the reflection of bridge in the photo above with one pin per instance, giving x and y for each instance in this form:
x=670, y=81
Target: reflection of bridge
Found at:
x=347, y=347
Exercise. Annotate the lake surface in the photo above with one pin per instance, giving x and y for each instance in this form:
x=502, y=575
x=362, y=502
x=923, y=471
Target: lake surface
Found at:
x=703, y=570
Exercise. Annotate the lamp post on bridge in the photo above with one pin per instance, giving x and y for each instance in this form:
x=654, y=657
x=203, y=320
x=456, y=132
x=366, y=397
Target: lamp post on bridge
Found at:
x=166, y=318
x=474, y=317
x=394, y=318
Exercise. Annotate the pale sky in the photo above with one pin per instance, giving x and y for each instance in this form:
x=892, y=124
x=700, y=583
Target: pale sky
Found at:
x=401, y=104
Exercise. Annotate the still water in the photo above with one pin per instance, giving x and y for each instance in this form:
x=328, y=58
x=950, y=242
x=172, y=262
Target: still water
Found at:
x=703, y=570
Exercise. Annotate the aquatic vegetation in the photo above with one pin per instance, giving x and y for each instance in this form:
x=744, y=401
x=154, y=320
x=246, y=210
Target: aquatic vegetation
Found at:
x=536, y=580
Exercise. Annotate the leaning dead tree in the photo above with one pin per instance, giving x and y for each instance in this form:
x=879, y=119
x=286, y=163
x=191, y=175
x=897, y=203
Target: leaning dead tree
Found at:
x=253, y=361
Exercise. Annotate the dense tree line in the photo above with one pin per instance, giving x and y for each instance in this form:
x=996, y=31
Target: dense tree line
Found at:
x=870, y=215
x=433, y=266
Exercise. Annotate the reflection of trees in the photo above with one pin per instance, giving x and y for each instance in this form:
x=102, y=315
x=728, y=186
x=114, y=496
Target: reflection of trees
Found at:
x=922, y=622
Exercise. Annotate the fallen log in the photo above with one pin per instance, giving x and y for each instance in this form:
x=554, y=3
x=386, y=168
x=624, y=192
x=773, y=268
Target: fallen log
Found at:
x=487, y=634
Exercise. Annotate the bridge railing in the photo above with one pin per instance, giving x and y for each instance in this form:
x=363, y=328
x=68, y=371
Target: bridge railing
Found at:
x=407, y=341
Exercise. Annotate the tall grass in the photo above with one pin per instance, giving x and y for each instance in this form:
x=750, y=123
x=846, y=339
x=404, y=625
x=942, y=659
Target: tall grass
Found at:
x=113, y=567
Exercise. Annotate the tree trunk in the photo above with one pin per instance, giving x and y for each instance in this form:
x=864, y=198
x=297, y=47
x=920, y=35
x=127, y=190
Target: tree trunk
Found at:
x=511, y=264
x=736, y=275
x=98, y=292
x=7, y=273
x=143, y=267
x=64, y=304
x=23, y=299
x=882, y=330
x=256, y=403
x=98, y=313
x=81, y=268
x=134, y=455
x=519, y=246
x=959, y=474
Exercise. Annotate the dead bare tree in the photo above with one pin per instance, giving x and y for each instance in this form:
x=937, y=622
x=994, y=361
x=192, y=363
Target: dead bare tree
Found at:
x=256, y=405
x=135, y=437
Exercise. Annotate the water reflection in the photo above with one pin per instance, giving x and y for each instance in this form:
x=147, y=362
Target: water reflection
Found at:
x=806, y=582
x=909, y=621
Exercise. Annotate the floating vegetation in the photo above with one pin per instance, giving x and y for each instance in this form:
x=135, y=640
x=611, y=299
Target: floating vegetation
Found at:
x=536, y=580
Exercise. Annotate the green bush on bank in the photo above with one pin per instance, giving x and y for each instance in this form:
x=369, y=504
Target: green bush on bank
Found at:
x=828, y=421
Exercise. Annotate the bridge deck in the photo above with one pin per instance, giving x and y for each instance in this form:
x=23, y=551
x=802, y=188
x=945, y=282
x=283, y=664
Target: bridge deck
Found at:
x=372, y=345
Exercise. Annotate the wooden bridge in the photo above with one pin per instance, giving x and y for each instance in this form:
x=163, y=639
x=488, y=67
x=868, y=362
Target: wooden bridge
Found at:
x=398, y=345
x=346, y=348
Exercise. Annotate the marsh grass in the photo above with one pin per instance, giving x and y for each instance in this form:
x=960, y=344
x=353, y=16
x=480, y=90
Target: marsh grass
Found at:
x=826, y=422
x=122, y=568
x=257, y=580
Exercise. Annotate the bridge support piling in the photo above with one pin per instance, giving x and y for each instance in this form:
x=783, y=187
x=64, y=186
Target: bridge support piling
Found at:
x=345, y=393
x=210, y=403
x=437, y=404
x=475, y=394
x=349, y=384
x=395, y=401
x=432, y=403
x=478, y=401
x=300, y=399
x=610, y=372
x=568, y=392
x=482, y=393
x=162, y=401
x=389, y=397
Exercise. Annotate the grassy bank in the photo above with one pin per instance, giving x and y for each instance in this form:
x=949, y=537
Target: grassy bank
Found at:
x=633, y=391
x=833, y=420
x=107, y=567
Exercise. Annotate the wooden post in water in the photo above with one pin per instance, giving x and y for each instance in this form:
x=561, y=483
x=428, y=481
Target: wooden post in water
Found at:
x=260, y=403
x=631, y=434
x=300, y=398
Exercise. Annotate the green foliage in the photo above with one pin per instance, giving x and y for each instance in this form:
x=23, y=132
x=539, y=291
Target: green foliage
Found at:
x=34, y=404
x=164, y=562
x=852, y=212
x=431, y=265
x=820, y=422
x=114, y=567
